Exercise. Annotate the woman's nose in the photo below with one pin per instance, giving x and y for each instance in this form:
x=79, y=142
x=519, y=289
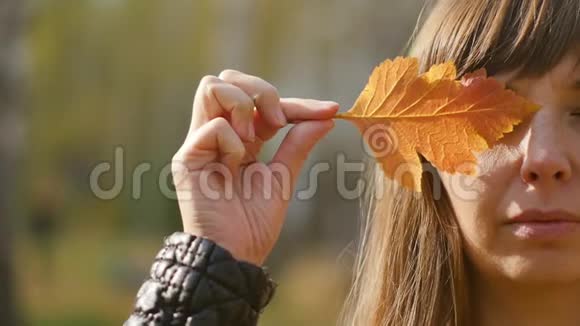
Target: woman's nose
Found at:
x=546, y=159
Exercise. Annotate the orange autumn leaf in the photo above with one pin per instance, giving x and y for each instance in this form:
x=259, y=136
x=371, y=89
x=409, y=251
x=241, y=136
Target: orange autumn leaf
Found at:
x=401, y=113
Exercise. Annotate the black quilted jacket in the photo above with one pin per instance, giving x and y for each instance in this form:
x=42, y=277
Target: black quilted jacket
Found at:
x=196, y=282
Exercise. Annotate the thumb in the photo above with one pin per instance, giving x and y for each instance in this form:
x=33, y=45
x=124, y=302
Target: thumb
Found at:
x=298, y=143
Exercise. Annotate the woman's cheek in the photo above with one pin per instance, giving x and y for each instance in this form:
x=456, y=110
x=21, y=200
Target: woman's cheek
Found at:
x=478, y=201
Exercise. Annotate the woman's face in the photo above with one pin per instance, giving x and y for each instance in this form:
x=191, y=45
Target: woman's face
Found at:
x=536, y=167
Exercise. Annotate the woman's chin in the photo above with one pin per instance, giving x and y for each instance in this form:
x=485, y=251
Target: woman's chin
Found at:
x=542, y=266
x=506, y=257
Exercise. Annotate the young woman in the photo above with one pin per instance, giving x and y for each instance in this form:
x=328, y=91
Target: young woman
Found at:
x=502, y=248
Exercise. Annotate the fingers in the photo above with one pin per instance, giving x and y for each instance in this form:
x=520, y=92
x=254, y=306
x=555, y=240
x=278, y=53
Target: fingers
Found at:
x=215, y=98
x=307, y=109
x=234, y=95
x=253, y=108
x=296, y=110
x=299, y=142
x=264, y=95
x=212, y=141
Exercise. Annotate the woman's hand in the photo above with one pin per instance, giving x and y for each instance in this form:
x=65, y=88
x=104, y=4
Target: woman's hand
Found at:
x=224, y=193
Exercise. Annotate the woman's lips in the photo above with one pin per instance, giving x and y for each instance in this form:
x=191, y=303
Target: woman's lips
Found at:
x=545, y=225
x=544, y=230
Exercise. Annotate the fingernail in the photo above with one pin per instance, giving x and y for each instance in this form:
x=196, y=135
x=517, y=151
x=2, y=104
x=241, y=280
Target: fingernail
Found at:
x=251, y=132
x=330, y=103
x=281, y=117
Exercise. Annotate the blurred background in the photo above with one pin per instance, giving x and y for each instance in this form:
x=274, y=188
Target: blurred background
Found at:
x=102, y=89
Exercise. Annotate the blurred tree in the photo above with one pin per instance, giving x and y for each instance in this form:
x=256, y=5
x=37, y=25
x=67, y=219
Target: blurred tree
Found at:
x=10, y=33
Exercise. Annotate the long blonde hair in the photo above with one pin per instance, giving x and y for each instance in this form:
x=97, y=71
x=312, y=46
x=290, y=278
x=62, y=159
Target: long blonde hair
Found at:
x=410, y=268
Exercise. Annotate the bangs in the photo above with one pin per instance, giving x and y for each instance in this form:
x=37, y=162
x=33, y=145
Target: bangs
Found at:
x=500, y=35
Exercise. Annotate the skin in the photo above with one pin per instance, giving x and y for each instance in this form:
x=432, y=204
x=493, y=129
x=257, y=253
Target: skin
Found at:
x=526, y=281
x=226, y=135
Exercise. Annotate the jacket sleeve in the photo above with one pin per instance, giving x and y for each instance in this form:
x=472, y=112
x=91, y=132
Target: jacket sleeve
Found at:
x=195, y=282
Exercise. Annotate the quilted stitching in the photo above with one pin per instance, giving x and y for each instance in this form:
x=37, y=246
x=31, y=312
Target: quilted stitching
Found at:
x=194, y=281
